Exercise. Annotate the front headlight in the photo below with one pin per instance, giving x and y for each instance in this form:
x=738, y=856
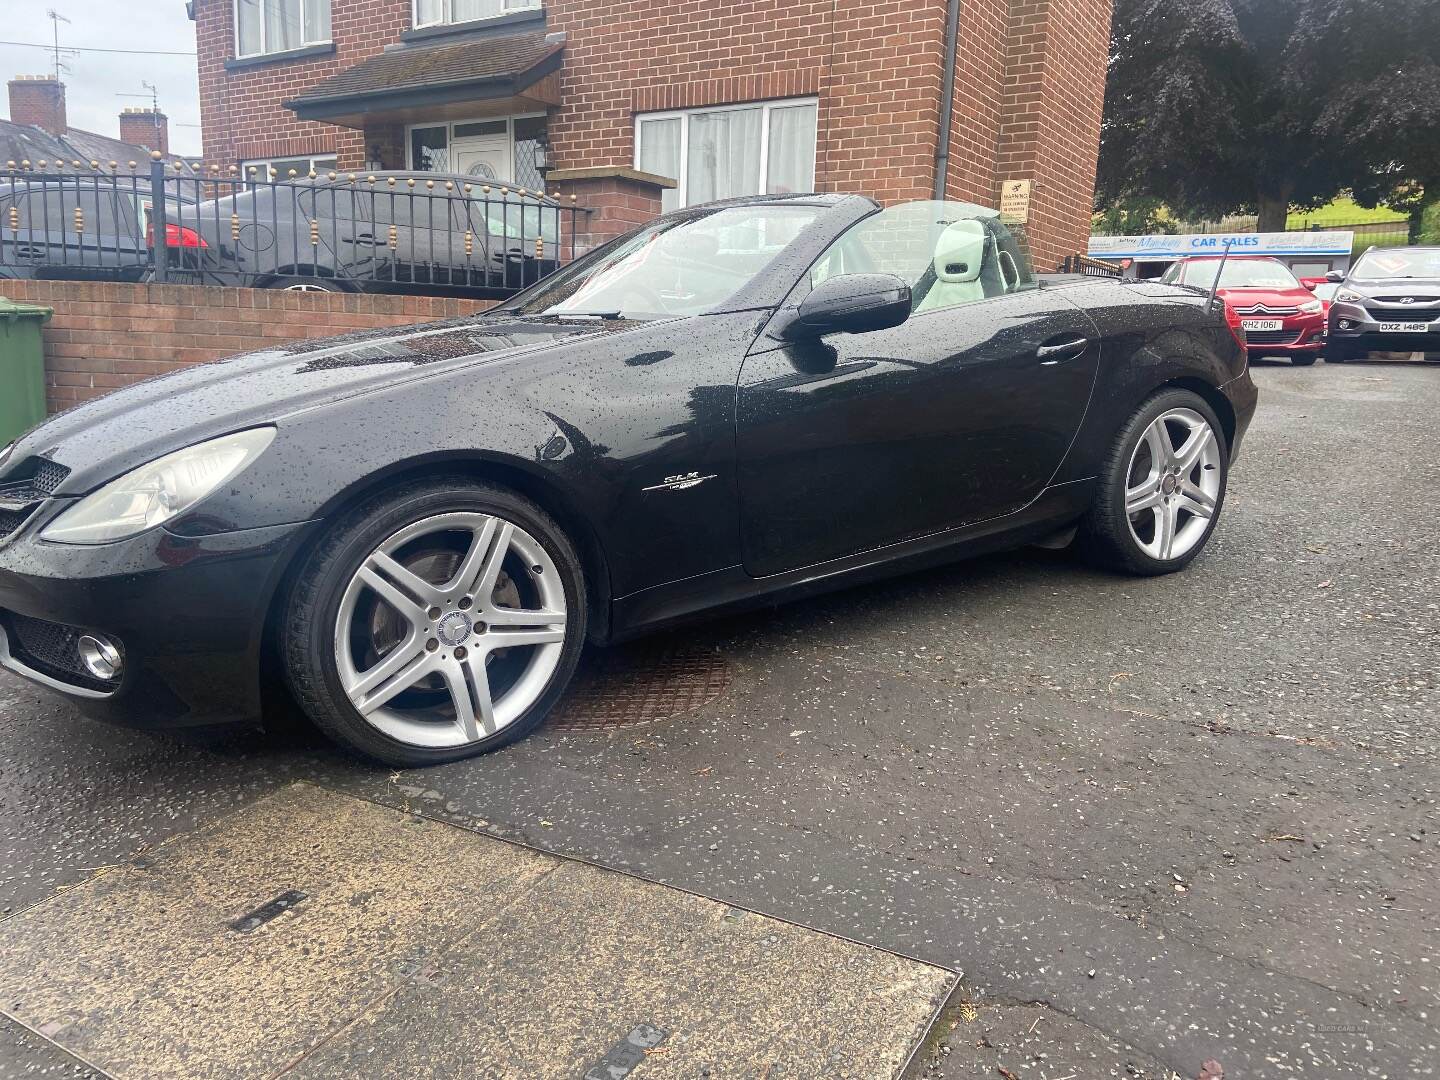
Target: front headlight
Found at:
x=1345, y=296
x=5, y=455
x=153, y=494
x=1311, y=307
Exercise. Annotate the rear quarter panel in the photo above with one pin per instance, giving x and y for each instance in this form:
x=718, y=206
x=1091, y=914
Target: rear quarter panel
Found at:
x=1153, y=335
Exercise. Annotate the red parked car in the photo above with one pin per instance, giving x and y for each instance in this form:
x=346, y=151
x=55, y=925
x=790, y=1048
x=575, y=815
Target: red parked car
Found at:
x=1279, y=315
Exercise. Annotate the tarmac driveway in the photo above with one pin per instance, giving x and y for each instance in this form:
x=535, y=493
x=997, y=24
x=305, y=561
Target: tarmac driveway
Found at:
x=1152, y=822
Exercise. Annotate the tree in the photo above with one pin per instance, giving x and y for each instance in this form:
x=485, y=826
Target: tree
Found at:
x=1385, y=97
x=1226, y=106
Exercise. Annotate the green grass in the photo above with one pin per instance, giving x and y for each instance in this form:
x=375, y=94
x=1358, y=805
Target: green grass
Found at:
x=1342, y=211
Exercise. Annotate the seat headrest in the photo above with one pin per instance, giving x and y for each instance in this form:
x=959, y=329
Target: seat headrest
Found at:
x=960, y=252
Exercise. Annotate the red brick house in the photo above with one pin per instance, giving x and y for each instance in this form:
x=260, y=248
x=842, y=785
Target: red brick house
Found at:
x=617, y=101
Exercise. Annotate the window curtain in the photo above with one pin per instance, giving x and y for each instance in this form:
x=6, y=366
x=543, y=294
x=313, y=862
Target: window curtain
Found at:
x=791, y=161
x=465, y=10
x=317, y=20
x=724, y=157
x=247, y=15
x=660, y=154
x=428, y=12
x=283, y=29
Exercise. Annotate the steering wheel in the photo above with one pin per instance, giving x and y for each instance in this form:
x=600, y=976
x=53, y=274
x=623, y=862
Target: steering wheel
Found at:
x=639, y=297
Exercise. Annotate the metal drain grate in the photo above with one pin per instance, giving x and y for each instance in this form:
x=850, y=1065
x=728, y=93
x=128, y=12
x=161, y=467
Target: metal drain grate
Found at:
x=640, y=684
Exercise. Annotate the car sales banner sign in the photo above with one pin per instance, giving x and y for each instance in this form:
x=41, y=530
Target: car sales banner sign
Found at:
x=1184, y=245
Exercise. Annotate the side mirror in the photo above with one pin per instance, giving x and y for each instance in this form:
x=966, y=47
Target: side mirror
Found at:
x=851, y=304
x=1336, y=276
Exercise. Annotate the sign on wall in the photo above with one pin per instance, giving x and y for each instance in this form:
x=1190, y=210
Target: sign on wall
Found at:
x=1169, y=248
x=1015, y=200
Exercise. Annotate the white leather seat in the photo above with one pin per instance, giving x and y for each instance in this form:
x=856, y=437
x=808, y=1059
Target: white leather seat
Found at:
x=959, y=258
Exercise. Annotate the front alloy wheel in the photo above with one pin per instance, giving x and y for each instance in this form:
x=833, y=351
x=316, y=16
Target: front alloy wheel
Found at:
x=450, y=629
x=437, y=620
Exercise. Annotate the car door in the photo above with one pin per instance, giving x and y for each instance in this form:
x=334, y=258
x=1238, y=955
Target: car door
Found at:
x=961, y=414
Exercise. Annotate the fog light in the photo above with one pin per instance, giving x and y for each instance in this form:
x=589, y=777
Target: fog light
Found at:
x=100, y=657
x=1344, y=324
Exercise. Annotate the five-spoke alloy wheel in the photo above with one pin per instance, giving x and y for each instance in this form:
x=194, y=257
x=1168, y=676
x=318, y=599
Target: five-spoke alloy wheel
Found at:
x=1161, y=487
x=1173, y=484
x=454, y=617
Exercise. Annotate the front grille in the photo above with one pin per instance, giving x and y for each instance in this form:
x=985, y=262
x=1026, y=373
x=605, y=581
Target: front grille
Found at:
x=10, y=520
x=51, y=649
x=1271, y=337
x=32, y=480
x=1404, y=316
x=1261, y=309
x=27, y=486
x=49, y=475
x=1408, y=296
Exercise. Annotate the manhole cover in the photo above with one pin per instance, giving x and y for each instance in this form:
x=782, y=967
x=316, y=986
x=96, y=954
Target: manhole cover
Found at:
x=640, y=684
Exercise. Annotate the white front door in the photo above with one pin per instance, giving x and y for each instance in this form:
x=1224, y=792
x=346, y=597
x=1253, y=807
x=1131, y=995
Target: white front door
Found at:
x=483, y=156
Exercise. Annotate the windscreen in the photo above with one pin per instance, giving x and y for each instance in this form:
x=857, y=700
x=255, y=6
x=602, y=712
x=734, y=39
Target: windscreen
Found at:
x=684, y=265
x=1241, y=274
x=1386, y=265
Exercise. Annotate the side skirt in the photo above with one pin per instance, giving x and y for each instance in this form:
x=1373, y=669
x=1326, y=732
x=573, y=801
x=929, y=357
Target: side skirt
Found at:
x=732, y=589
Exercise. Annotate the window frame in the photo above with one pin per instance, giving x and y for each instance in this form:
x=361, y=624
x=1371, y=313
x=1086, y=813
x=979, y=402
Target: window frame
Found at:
x=264, y=50
x=507, y=7
x=256, y=163
x=767, y=107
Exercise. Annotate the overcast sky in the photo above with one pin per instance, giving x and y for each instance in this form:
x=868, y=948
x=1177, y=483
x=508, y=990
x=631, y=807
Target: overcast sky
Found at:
x=93, y=79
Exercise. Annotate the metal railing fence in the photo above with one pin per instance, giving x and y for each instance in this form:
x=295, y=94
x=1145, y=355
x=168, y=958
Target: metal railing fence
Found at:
x=382, y=232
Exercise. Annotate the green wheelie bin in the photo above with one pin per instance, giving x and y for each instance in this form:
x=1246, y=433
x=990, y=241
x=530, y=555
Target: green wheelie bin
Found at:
x=22, y=368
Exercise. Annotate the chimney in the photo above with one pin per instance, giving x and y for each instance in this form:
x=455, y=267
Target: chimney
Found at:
x=149, y=128
x=38, y=100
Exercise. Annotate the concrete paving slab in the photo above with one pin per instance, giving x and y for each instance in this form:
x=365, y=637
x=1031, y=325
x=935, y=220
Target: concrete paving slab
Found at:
x=317, y=929
x=545, y=989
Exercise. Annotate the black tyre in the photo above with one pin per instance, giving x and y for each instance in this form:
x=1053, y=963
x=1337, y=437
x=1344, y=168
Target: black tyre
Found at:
x=1303, y=359
x=436, y=620
x=1161, y=489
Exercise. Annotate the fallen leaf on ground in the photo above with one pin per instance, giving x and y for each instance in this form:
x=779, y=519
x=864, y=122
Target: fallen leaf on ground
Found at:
x=1211, y=1070
x=1325, y=584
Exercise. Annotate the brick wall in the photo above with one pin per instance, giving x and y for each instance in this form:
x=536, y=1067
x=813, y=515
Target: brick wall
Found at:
x=106, y=335
x=874, y=65
x=1050, y=127
x=1028, y=92
x=241, y=114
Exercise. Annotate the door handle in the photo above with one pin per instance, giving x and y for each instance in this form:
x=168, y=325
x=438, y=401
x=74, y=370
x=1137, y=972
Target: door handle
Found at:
x=1060, y=351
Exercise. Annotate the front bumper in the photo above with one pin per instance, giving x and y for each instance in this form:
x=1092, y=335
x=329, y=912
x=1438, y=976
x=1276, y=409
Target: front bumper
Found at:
x=1298, y=334
x=188, y=615
x=1359, y=328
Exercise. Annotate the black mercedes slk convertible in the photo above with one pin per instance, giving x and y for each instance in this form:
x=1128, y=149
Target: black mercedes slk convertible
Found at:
x=415, y=531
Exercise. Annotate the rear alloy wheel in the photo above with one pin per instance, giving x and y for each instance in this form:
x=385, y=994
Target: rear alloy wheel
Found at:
x=1161, y=489
x=444, y=630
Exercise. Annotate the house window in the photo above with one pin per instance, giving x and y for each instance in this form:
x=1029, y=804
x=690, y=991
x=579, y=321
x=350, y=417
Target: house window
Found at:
x=721, y=153
x=272, y=26
x=502, y=149
x=281, y=168
x=441, y=12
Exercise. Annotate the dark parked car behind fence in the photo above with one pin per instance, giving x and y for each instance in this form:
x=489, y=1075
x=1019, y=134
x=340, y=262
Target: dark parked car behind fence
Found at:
x=92, y=227
x=372, y=232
